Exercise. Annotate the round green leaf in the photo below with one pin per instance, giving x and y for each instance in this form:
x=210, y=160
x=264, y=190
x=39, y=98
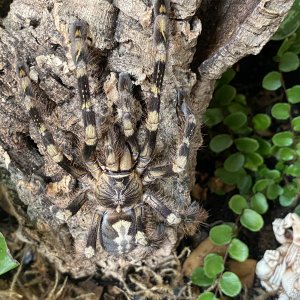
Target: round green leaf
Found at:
x=230, y=284
x=293, y=94
x=297, y=210
x=253, y=161
x=234, y=162
x=296, y=123
x=199, y=278
x=6, y=260
x=289, y=195
x=244, y=184
x=207, y=296
x=230, y=177
x=272, y=81
x=246, y=144
x=251, y=220
x=273, y=191
x=220, y=142
x=213, y=265
x=259, y=203
x=285, y=154
x=293, y=170
x=283, y=139
x=221, y=234
x=260, y=185
x=238, y=250
x=224, y=95
x=227, y=76
x=264, y=147
x=235, y=120
x=271, y=174
x=237, y=107
x=213, y=116
x=240, y=98
x=261, y=122
x=237, y=204
x=289, y=61
x=281, y=111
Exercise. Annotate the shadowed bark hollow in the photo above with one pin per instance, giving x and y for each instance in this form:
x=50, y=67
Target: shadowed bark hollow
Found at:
x=206, y=38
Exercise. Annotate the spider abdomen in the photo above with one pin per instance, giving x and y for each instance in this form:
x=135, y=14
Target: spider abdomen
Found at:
x=117, y=232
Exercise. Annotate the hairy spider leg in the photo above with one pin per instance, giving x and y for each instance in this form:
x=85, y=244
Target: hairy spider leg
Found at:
x=160, y=37
x=78, y=35
x=153, y=200
x=183, y=150
x=189, y=218
x=52, y=149
x=72, y=208
x=91, y=242
x=128, y=122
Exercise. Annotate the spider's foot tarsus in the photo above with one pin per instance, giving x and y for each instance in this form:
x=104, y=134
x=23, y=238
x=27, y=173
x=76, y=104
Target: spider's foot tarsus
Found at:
x=141, y=239
x=172, y=219
x=89, y=252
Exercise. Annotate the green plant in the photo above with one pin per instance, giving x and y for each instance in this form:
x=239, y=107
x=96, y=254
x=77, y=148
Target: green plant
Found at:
x=257, y=155
x=6, y=261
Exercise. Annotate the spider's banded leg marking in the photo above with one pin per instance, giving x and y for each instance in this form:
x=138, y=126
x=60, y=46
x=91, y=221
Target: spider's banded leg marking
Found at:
x=140, y=236
x=189, y=130
x=128, y=123
x=78, y=35
x=90, y=248
x=72, y=208
x=160, y=36
x=152, y=200
x=55, y=153
x=183, y=150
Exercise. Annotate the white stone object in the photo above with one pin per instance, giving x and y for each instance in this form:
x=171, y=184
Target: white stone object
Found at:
x=279, y=270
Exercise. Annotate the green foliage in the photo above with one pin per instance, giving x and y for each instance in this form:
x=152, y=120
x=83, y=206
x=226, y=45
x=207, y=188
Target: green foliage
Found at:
x=6, y=261
x=213, y=265
x=221, y=234
x=230, y=284
x=257, y=155
x=272, y=81
x=290, y=23
x=207, y=296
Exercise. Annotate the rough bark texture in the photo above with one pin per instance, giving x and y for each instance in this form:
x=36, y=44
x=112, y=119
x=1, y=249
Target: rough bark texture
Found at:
x=205, y=36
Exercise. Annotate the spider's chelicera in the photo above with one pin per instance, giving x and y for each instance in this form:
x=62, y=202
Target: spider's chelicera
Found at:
x=119, y=180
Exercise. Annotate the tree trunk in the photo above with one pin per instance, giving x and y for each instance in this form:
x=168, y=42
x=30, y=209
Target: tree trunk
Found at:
x=206, y=38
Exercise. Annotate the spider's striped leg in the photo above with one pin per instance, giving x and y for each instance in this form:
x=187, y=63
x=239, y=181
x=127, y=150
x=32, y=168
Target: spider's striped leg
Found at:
x=189, y=218
x=78, y=35
x=152, y=200
x=91, y=243
x=140, y=236
x=178, y=165
x=128, y=122
x=160, y=36
x=72, y=208
x=55, y=153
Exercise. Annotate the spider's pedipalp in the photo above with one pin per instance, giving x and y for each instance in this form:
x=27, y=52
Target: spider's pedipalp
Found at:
x=78, y=35
x=52, y=149
x=160, y=37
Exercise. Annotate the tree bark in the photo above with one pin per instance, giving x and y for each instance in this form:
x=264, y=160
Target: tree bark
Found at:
x=206, y=38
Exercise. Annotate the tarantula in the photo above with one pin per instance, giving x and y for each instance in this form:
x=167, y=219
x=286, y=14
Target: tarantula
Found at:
x=117, y=176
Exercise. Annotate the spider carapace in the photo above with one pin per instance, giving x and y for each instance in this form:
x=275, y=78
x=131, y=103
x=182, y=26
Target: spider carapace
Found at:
x=119, y=177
